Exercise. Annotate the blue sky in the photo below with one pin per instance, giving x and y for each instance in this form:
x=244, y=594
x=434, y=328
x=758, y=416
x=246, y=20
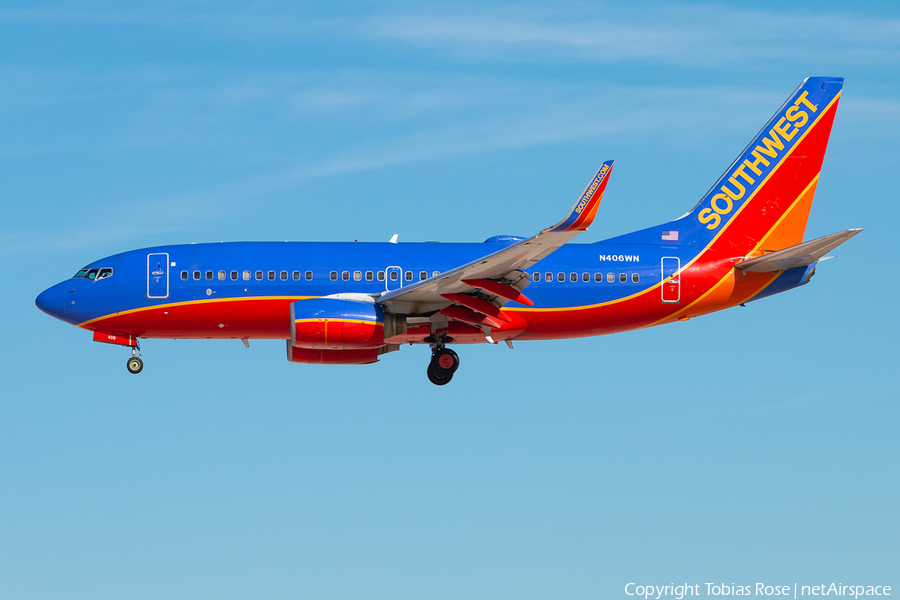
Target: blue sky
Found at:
x=754, y=445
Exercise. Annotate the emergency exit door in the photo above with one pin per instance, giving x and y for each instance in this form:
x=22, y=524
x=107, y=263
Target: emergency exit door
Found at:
x=393, y=278
x=671, y=279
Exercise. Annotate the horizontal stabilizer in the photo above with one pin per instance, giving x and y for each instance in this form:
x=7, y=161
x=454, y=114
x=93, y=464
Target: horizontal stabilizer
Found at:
x=796, y=256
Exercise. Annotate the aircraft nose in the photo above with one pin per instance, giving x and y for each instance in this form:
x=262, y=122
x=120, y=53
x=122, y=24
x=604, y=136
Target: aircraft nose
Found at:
x=52, y=302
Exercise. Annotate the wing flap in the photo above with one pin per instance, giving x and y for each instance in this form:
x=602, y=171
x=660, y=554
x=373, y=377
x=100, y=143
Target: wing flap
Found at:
x=796, y=256
x=503, y=266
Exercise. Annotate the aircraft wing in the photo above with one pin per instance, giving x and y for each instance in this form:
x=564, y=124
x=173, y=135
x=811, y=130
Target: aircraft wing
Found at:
x=496, y=278
x=797, y=256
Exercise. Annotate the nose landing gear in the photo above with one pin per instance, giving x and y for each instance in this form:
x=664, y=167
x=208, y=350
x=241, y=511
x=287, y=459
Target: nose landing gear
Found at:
x=135, y=365
x=444, y=363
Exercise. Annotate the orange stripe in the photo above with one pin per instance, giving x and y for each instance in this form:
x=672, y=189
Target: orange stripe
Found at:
x=703, y=252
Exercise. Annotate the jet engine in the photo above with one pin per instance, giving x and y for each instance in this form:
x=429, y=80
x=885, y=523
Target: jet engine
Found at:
x=341, y=324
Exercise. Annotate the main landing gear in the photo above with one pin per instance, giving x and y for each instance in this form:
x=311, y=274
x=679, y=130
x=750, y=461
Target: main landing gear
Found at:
x=444, y=363
x=135, y=365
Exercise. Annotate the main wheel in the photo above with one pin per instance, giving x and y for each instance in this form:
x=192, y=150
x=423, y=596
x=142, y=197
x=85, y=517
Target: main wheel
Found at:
x=436, y=378
x=445, y=361
x=134, y=365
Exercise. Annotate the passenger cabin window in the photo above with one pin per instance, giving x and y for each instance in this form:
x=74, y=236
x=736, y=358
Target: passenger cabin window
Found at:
x=370, y=275
x=284, y=275
x=435, y=273
x=246, y=275
x=611, y=277
x=560, y=276
x=408, y=276
x=259, y=275
x=598, y=277
x=196, y=275
x=184, y=275
x=209, y=275
x=535, y=277
x=357, y=275
x=548, y=276
x=234, y=275
x=423, y=275
x=104, y=273
x=585, y=277
x=271, y=275
x=333, y=275
x=380, y=275
x=221, y=275
x=309, y=275
x=573, y=277
x=635, y=278
x=345, y=275
x=623, y=277
x=296, y=275
x=394, y=276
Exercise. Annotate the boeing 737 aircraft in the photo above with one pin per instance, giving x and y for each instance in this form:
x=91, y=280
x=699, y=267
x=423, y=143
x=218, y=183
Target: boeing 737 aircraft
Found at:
x=350, y=303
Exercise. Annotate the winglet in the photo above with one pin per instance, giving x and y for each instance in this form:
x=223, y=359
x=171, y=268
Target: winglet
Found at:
x=582, y=214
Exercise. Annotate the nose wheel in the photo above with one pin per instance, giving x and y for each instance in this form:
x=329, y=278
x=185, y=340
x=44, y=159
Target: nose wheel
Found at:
x=134, y=364
x=444, y=363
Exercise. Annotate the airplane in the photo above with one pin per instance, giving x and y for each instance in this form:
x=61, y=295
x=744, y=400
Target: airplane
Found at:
x=350, y=303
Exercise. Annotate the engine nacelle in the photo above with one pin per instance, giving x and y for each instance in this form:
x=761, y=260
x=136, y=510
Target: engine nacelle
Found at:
x=332, y=357
x=338, y=324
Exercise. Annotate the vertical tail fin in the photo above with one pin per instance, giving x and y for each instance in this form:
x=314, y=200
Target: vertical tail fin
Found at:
x=763, y=199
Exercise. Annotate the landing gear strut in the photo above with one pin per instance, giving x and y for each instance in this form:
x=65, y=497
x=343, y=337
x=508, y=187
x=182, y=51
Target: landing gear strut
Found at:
x=135, y=365
x=444, y=363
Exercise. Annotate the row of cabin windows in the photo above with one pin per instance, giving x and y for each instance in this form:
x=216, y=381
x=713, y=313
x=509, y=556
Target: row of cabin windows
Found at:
x=380, y=275
x=395, y=275
x=586, y=277
x=248, y=275
x=308, y=275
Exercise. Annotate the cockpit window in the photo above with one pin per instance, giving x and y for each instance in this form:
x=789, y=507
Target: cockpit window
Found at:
x=94, y=274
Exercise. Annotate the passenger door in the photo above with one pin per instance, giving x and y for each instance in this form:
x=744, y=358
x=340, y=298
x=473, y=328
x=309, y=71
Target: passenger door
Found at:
x=158, y=275
x=671, y=280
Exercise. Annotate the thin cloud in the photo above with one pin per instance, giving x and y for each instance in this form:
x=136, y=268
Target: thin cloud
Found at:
x=37, y=242
x=707, y=35
x=691, y=36
x=649, y=112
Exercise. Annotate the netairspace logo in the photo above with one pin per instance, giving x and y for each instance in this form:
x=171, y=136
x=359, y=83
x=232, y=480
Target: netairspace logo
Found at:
x=679, y=592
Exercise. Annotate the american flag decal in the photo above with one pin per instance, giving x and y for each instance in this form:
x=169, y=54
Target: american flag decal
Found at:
x=671, y=236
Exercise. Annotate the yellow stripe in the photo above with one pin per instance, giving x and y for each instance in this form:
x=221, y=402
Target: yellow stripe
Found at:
x=757, y=247
x=716, y=237
x=359, y=321
x=763, y=183
x=788, y=211
x=585, y=307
